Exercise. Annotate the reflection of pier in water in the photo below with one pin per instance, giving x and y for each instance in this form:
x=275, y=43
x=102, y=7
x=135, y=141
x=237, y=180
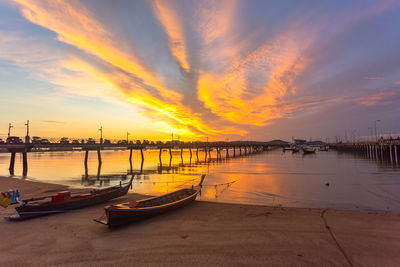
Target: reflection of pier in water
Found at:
x=169, y=168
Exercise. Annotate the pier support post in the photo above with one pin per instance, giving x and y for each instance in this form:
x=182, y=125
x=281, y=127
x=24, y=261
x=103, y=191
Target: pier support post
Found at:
x=99, y=156
x=12, y=163
x=234, y=151
x=190, y=150
x=86, y=160
x=390, y=154
x=141, y=166
x=170, y=154
x=205, y=154
x=130, y=159
x=99, y=166
x=182, y=154
x=209, y=153
x=240, y=151
x=24, y=164
x=159, y=156
x=141, y=153
x=227, y=152
x=197, y=153
x=395, y=153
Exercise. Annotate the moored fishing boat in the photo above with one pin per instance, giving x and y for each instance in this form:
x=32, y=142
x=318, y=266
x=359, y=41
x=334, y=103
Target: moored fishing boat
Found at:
x=63, y=201
x=134, y=211
x=295, y=149
x=308, y=149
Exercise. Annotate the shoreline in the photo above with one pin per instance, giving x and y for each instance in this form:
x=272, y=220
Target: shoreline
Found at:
x=204, y=233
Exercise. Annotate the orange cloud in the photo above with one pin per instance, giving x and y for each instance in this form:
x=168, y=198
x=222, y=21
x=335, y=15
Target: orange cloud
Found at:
x=77, y=26
x=231, y=96
x=169, y=19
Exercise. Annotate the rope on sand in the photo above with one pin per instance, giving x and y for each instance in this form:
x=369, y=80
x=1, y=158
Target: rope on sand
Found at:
x=334, y=238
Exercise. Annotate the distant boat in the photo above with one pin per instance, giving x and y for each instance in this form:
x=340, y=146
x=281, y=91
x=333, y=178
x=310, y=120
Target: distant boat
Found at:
x=133, y=211
x=308, y=149
x=323, y=148
x=295, y=149
x=63, y=201
x=286, y=148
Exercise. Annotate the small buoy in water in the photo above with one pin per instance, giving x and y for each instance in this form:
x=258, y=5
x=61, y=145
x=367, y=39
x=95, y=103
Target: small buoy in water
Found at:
x=327, y=184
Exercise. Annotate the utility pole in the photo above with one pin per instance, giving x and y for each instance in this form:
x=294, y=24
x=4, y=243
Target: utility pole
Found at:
x=371, y=133
x=9, y=129
x=376, y=133
x=27, y=138
x=101, y=134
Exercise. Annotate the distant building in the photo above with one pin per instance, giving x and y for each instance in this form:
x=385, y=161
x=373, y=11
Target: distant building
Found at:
x=300, y=141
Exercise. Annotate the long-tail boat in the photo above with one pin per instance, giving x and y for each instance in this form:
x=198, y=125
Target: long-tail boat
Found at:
x=134, y=211
x=63, y=201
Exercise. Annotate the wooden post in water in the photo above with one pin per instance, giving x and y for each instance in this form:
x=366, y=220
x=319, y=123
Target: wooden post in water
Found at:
x=182, y=154
x=12, y=163
x=234, y=151
x=190, y=150
x=141, y=153
x=86, y=157
x=24, y=164
x=390, y=154
x=240, y=150
x=197, y=153
x=205, y=156
x=130, y=160
x=99, y=166
x=395, y=153
x=209, y=153
x=159, y=156
x=227, y=152
x=170, y=154
x=99, y=156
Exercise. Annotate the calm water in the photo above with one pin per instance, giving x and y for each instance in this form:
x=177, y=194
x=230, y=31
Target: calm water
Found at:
x=269, y=178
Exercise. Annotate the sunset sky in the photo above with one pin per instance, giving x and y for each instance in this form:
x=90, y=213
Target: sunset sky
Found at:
x=237, y=70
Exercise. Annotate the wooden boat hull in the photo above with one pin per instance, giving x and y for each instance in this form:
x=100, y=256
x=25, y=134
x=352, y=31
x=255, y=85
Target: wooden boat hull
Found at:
x=31, y=211
x=115, y=216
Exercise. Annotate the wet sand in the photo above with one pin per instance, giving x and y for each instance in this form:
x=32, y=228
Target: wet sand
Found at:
x=202, y=234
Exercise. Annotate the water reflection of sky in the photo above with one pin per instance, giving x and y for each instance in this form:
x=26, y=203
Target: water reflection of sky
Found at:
x=271, y=178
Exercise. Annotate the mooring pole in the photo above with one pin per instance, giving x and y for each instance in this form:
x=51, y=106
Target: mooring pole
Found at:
x=24, y=164
x=141, y=153
x=159, y=155
x=170, y=154
x=12, y=163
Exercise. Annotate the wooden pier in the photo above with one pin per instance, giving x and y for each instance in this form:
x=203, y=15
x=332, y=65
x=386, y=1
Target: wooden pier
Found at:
x=384, y=150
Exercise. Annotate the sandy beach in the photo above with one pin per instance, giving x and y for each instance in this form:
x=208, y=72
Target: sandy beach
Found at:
x=202, y=234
